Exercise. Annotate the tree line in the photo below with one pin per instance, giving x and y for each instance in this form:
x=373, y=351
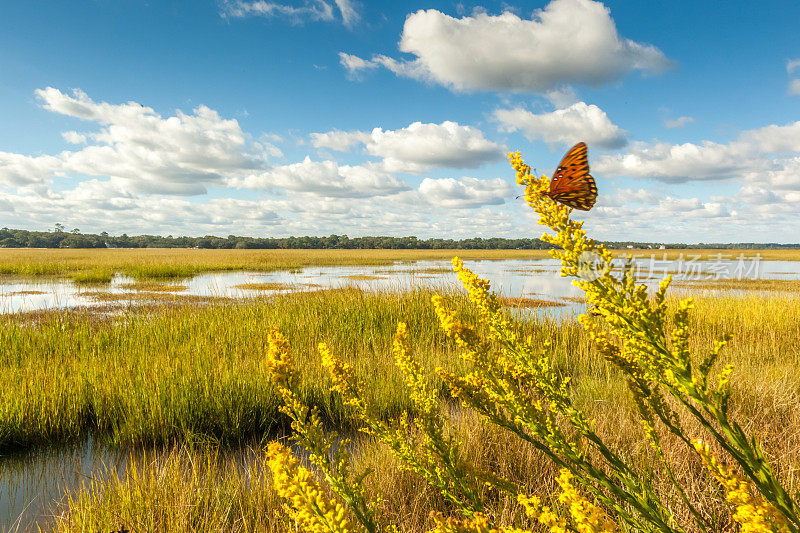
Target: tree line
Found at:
x=59, y=237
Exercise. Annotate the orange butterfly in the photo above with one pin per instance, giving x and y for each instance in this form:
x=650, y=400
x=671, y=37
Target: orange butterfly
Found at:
x=571, y=184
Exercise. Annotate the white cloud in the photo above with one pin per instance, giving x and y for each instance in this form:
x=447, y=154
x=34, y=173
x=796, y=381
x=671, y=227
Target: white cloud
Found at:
x=756, y=195
x=298, y=13
x=18, y=169
x=567, y=42
x=750, y=156
x=73, y=137
x=792, y=66
x=678, y=122
x=418, y=147
x=578, y=122
x=180, y=154
x=464, y=192
x=348, y=11
x=341, y=141
x=354, y=64
x=562, y=97
x=782, y=173
x=325, y=178
x=621, y=197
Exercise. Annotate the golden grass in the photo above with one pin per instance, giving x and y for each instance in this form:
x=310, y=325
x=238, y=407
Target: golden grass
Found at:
x=522, y=302
x=779, y=285
x=99, y=265
x=177, y=372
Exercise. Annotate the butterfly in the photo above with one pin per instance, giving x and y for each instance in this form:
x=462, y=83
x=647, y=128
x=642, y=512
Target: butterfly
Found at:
x=571, y=184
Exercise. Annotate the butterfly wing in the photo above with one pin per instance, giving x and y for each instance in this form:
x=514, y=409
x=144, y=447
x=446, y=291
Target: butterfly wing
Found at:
x=571, y=184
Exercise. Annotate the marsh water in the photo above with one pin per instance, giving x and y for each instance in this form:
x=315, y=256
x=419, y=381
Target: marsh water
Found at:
x=537, y=279
x=32, y=483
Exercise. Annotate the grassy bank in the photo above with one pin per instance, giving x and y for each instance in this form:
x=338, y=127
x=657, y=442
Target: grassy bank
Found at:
x=99, y=265
x=155, y=376
x=197, y=488
x=159, y=375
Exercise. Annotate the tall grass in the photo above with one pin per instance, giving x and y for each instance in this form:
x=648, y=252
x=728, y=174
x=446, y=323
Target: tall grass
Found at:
x=160, y=376
x=157, y=376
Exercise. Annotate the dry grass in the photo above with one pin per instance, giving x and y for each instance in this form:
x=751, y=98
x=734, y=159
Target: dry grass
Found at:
x=522, y=302
x=772, y=285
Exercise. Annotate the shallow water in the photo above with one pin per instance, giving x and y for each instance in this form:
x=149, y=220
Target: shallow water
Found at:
x=512, y=277
x=33, y=483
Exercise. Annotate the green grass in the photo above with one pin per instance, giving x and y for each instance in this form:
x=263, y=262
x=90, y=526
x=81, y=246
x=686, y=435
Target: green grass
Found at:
x=94, y=275
x=157, y=376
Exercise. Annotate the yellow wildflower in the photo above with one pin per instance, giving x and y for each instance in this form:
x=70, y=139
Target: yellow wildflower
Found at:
x=753, y=513
x=308, y=505
x=477, y=524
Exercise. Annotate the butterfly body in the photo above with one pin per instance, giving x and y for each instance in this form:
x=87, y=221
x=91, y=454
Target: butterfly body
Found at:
x=571, y=184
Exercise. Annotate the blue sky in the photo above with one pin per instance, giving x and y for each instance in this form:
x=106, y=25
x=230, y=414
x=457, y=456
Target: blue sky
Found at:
x=336, y=116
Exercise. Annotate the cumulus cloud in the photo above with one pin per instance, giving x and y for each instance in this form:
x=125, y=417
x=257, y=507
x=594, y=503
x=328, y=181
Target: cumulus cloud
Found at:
x=73, y=137
x=20, y=170
x=464, y=192
x=763, y=154
x=793, y=67
x=578, y=122
x=134, y=145
x=678, y=122
x=567, y=42
x=341, y=141
x=297, y=13
x=325, y=178
x=418, y=147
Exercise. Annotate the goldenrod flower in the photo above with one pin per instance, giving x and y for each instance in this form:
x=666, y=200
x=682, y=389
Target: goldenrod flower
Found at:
x=308, y=505
x=477, y=524
x=753, y=513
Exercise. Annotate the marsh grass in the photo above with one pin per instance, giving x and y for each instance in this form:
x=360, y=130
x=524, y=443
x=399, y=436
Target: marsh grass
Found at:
x=149, y=263
x=156, y=376
x=779, y=285
x=364, y=277
x=264, y=286
x=522, y=302
x=153, y=286
x=92, y=275
x=172, y=374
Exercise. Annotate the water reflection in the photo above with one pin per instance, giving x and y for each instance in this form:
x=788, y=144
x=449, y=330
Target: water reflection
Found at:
x=511, y=277
x=33, y=483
